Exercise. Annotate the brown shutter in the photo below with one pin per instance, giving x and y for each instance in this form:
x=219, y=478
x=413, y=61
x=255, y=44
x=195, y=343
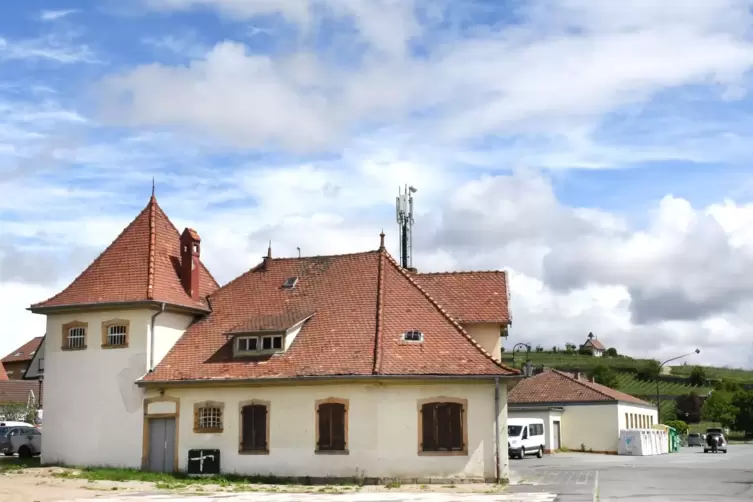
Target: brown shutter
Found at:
x=428, y=425
x=260, y=427
x=338, y=426
x=247, y=428
x=444, y=435
x=325, y=426
x=456, y=426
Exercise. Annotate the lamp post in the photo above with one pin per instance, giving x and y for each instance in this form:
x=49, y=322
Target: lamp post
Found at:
x=528, y=351
x=658, y=396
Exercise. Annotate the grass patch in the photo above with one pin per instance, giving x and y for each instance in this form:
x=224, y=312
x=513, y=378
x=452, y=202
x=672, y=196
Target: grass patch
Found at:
x=17, y=464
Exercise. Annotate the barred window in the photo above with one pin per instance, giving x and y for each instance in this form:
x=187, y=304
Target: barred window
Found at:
x=76, y=338
x=208, y=419
x=117, y=335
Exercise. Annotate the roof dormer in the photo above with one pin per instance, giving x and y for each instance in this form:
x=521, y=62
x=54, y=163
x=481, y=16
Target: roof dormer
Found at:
x=267, y=334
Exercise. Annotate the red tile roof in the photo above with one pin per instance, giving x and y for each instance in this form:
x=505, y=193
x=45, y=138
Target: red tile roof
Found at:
x=595, y=343
x=553, y=386
x=3, y=374
x=25, y=352
x=363, y=304
x=473, y=296
x=142, y=264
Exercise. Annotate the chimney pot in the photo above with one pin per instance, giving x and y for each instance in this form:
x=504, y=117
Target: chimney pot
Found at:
x=190, y=253
x=268, y=258
x=381, y=241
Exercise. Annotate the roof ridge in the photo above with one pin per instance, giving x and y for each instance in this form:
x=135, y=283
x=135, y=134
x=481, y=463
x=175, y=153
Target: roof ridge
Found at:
x=447, y=315
x=378, y=345
x=584, y=384
x=93, y=262
x=151, y=248
x=302, y=258
x=461, y=272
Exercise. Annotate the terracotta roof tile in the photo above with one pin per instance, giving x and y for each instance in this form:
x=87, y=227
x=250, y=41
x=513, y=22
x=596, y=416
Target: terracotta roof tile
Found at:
x=553, y=386
x=17, y=391
x=271, y=322
x=595, y=343
x=472, y=297
x=25, y=352
x=141, y=264
x=363, y=303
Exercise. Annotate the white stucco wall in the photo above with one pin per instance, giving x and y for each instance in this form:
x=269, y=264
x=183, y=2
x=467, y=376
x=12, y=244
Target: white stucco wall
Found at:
x=548, y=416
x=382, y=428
x=641, y=416
x=168, y=328
x=94, y=389
x=488, y=336
x=595, y=426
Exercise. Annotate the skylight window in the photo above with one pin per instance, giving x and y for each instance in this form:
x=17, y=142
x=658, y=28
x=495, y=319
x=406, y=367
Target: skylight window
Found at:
x=413, y=335
x=290, y=282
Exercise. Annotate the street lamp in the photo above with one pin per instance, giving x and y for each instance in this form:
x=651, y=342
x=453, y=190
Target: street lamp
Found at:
x=528, y=351
x=658, y=396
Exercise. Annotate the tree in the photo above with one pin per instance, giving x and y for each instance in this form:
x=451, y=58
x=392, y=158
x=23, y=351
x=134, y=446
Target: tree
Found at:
x=585, y=351
x=539, y=348
x=604, y=375
x=649, y=370
x=555, y=349
x=718, y=408
x=570, y=348
x=698, y=377
x=726, y=385
x=743, y=401
x=611, y=352
x=679, y=425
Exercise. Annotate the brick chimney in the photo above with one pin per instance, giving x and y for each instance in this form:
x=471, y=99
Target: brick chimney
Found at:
x=190, y=251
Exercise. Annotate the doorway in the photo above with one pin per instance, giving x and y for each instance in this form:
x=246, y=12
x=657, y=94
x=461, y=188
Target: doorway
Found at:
x=161, y=445
x=556, y=430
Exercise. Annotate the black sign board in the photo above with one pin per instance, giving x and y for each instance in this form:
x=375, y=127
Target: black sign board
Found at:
x=203, y=461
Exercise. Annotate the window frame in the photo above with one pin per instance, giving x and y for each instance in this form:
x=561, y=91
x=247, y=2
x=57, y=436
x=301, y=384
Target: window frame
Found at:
x=197, y=407
x=346, y=434
x=260, y=351
x=65, y=331
x=463, y=422
x=106, y=325
x=241, y=406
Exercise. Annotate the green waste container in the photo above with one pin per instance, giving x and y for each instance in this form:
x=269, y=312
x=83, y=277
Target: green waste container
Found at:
x=674, y=439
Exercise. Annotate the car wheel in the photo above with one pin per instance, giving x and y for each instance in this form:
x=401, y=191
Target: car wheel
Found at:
x=8, y=454
x=24, y=452
x=540, y=453
x=705, y=450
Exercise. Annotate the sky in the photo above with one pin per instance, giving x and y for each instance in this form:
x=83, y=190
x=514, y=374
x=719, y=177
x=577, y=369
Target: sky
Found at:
x=600, y=152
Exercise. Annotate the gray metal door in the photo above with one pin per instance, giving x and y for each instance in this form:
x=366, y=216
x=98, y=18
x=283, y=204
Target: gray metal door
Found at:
x=161, y=444
x=556, y=445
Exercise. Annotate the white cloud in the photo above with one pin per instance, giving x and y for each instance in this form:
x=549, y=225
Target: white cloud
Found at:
x=53, y=15
x=51, y=47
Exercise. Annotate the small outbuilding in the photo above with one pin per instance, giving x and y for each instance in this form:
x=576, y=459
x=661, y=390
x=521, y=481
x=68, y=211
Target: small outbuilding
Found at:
x=593, y=345
x=579, y=414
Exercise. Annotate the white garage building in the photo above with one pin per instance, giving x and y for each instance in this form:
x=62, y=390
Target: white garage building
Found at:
x=579, y=414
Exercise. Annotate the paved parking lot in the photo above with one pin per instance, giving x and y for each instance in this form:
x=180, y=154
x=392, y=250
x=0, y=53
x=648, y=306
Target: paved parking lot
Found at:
x=687, y=476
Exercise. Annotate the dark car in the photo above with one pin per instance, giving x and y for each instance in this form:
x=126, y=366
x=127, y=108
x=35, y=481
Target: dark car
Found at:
x=695, y=439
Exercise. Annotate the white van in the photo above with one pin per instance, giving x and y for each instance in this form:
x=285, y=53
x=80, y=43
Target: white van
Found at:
x=525, y=436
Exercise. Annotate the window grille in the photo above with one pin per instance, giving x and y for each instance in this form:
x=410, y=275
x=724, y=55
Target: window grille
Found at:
x=76, y=338
x=210, y=418
x=117, y=335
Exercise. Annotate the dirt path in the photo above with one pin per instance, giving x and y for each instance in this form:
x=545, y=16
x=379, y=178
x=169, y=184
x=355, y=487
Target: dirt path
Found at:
x=37, y=485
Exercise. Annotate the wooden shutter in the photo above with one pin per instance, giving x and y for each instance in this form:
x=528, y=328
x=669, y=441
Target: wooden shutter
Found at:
x=260, y=427
x=456, y=425
x=247, y=428
x=338, y=426
x=444, y=430
x=325, y=426
x=429, y=426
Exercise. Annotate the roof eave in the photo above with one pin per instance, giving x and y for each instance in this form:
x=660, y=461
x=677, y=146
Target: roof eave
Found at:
x=120, y=305
x=558, y=404
x=316, y=378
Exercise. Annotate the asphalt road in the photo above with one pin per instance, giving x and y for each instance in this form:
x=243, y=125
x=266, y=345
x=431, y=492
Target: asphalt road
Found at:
x=687, y=476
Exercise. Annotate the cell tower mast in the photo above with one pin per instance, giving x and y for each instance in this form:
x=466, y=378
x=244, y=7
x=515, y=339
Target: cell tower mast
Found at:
x=404, y=213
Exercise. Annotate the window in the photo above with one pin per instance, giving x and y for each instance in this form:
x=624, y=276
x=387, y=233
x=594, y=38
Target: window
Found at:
x=254, y=428
x=332, y=426
x=207, y=417
x=249, y=345
x=40, y=364
x=651, y=421
x=442, y=427
x=536, y=429
x=290, y=282
x=413, y=335
x=74, y=335
x=115, y=333
x=627, y=420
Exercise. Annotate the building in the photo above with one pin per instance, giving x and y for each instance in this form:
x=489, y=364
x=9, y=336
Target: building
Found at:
x=579, y=414
x=17, y=362
x=344, y=366
x=593, y=345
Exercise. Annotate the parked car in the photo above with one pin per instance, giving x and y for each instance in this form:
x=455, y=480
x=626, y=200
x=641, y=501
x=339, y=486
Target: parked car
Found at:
x=695, y=439
x=26, y=441
x=525, y=436
x=721, y=442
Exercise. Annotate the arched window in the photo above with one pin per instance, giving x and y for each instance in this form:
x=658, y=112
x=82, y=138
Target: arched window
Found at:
x=443, y=427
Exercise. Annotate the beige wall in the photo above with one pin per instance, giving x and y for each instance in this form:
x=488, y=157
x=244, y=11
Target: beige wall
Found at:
x=488, y=336
x=633, y=416
x=594, y=426
x=382, y=428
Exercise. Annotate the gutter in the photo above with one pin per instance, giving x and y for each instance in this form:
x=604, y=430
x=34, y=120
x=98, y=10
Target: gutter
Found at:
x=497, y=464
x=320, y=378
x=120, y=305
x=151, y=337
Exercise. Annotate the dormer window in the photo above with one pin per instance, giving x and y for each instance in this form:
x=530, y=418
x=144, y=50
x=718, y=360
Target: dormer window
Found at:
x=413, y=335
x=258, y=344
x=290, y=283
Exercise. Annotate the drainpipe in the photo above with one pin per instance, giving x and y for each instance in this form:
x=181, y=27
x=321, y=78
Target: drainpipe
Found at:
x=151, y=337
x=497, y=466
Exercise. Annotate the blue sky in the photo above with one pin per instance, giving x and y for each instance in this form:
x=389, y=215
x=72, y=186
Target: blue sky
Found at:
x=621, y=130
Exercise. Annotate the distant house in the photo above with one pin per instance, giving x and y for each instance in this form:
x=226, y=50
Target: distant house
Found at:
x=578, y=413
x=17, y=362
x=594, y=345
